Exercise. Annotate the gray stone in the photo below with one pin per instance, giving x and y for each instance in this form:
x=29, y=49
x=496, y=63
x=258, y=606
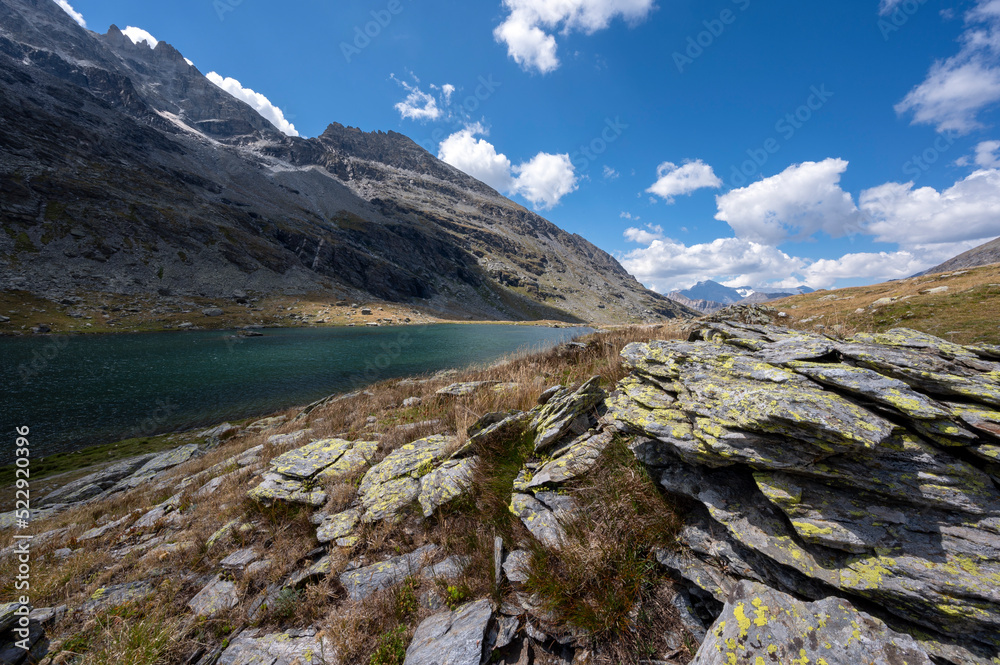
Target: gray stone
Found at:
x=573, y=461
x=223, y=431
x=288, y=439
x=463, y=389
x=821, y=465
x=9, y=613
x=277, y=487
x=212, y=312
x=99, y=532
x=760, y=624
x=394, y=483
x=449, y=569
x=516, y=566
x=539, y=519
x=451, y=638
x=168, y=460
x=292, y=647
x=497, y=560
x=117, y=595
x=48, y=616
x=565, y=412
x=445, y=483
x=338, y=527
x=362, y=582
x=240, y=559
x=218, y=596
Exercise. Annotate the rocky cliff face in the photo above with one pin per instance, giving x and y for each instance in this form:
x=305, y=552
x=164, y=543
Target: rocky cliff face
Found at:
x=124, y=170
x=865, y=469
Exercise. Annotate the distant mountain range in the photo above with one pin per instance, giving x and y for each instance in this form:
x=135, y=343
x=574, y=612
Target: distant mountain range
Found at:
x=124, y=170
x=709, y=296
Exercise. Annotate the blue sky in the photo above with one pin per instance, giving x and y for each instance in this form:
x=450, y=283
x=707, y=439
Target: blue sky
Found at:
x=760, y=143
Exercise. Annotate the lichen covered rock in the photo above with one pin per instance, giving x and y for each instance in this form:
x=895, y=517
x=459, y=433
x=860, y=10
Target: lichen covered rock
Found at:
x=829, y=466
x=394, y=483
x=566, y=411
x=761, y=625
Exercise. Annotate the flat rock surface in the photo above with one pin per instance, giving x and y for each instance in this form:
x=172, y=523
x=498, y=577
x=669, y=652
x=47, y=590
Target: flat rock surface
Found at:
x=451, y=638
x=394, y=483
x=363, y=582
x=292, y=647
x=218, y=595
x=761, y=625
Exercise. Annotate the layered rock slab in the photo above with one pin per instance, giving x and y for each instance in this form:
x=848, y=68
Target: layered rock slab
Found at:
x=761, y=625
x=451, y=638
x=842, y=465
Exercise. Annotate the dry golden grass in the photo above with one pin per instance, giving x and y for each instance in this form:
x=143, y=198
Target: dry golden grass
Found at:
x=605, y=578
x=969, y=312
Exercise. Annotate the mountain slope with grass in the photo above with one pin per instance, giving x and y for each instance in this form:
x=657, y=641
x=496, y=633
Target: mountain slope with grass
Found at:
x=986, y=254
x=125, y=172
x=660, y=494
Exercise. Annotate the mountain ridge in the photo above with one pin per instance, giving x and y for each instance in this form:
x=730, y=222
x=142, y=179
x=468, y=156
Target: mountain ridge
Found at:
x=131, y=172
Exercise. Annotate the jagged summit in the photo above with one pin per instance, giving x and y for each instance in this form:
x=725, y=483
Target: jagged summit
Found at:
x=125, y=170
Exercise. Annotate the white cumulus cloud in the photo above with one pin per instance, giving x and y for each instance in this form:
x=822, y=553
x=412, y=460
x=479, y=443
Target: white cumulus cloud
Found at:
x=477, y=157
x=795, y=204
x=543, y=180
x=138, y=36
x=958, y=88
x=259, y=102
x=986, y=154
x=75, y=15
x=968, y=210
x=673, y=180
x=926, y=225
x=528, y=29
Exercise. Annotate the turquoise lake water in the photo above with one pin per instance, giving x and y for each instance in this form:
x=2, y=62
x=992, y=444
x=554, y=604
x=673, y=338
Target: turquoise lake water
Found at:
x=75, y=391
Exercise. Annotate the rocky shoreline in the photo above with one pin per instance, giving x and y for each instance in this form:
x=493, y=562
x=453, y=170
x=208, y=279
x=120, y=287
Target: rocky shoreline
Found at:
x=830, y=501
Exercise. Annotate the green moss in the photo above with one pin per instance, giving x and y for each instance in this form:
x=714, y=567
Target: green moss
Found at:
x=22, y=243
x=83, y=461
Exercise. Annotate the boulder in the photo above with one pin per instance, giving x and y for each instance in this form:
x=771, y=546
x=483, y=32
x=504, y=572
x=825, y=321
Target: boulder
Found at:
x=451, y=638
x=363, y=582
x=394, y=483
x=292, y=647
x=822, y=466
x=566, y=411
x=761, y=625
x=445, y=483
x=338, y=528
